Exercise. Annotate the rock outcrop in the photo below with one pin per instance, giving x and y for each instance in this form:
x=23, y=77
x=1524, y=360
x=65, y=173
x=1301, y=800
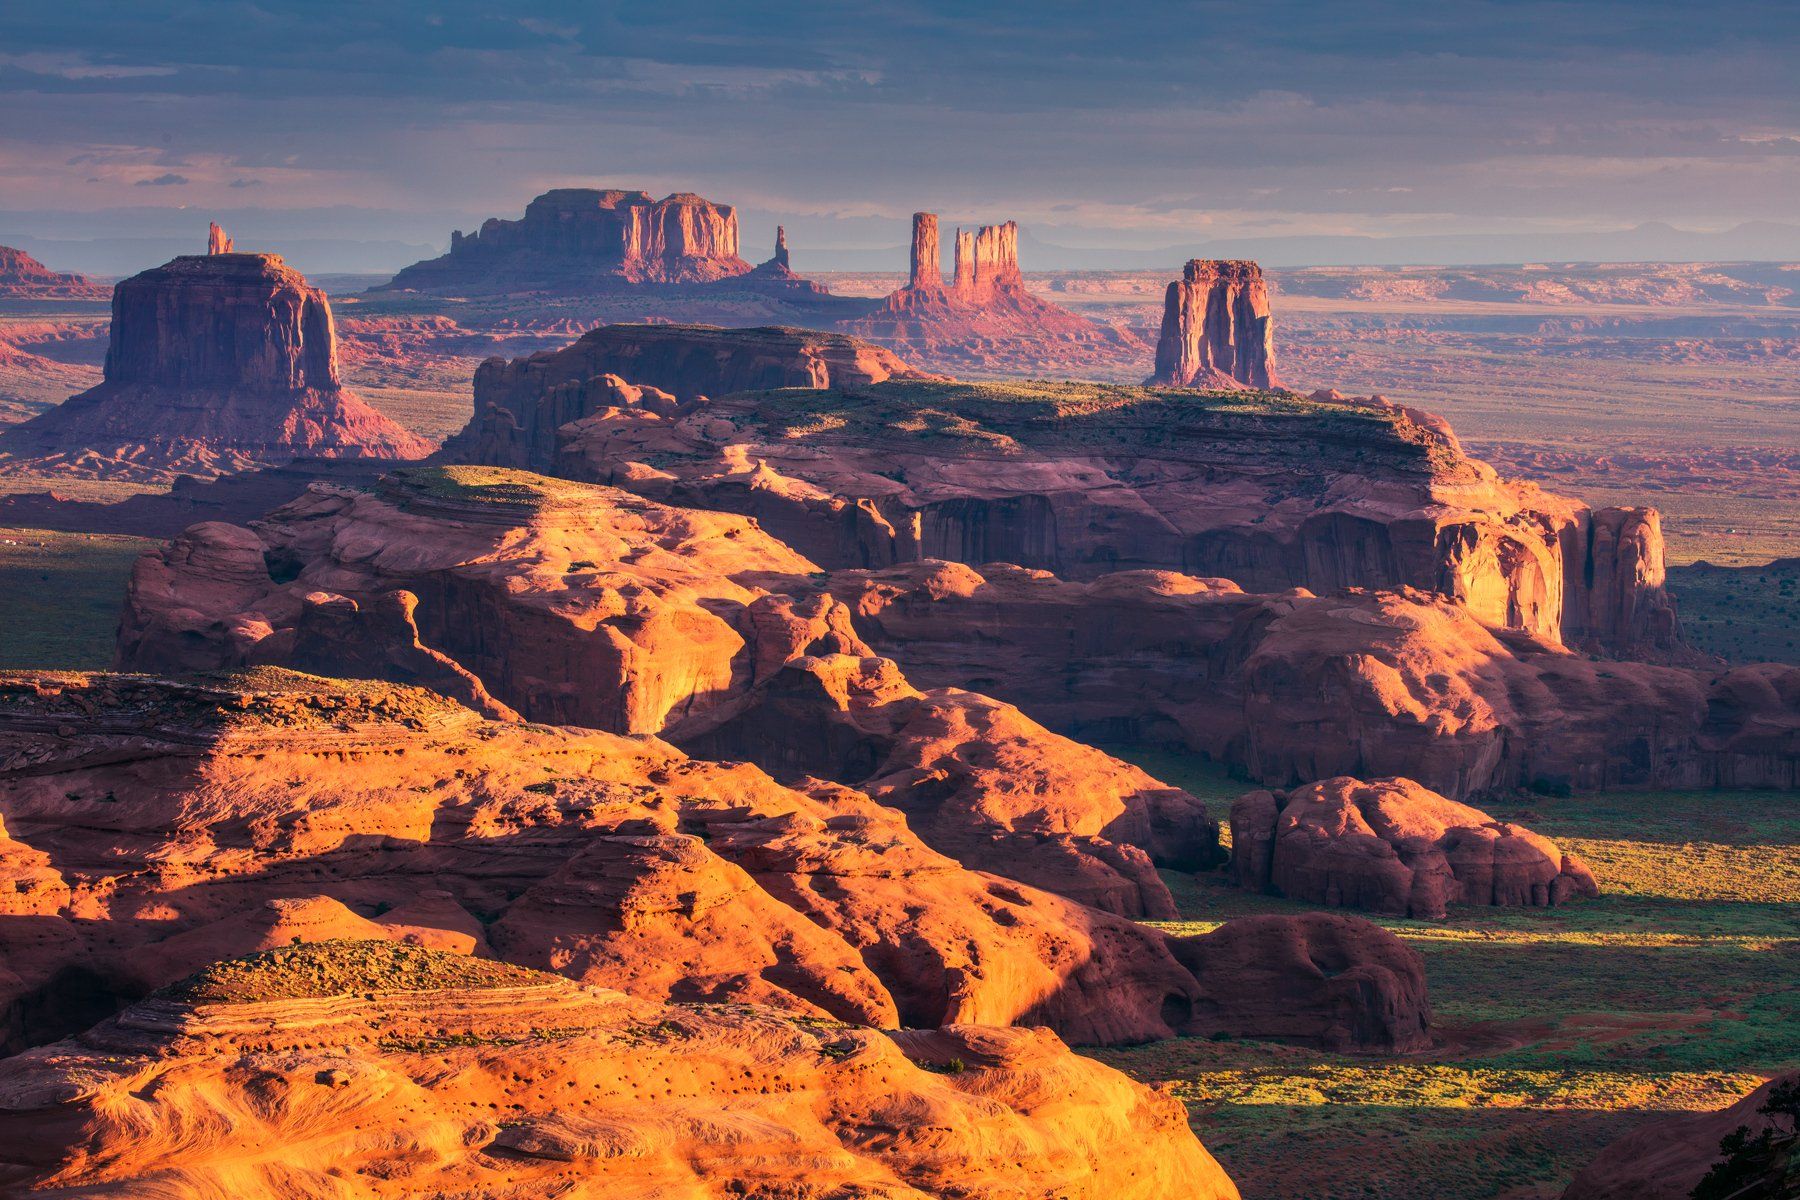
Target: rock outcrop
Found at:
x=150, y=823
x=23, y=277
x=976, y=779
x=584, y=605
x=215, y=362
x=1666, y=1157
x=1391, y=846
x=985, y=318
x=1084, y=480
x=422, y=1073
x=521, y=403
x=1216, y=328
x=217, y=241
x=575, y=239
x=1291, y=687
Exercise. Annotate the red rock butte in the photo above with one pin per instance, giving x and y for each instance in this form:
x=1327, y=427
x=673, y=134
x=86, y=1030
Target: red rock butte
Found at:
x=215, y=362
x=1216, y=328
x=23, y=277
x=577, y=238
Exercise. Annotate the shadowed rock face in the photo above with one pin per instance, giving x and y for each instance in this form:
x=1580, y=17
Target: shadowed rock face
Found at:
x=494, y=1083
x=152, y=825
x=521, y=403
x=579, y=238
x=1665, y=1158
x=1216, y=328
x=1391, y=846
x=215, y=362
x=1293, y=687
x=24, y=277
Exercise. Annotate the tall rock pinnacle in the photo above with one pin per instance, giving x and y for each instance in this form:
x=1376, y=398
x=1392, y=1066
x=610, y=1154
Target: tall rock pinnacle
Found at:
x=1216, y=328
x=926, y=273
x=216, y=241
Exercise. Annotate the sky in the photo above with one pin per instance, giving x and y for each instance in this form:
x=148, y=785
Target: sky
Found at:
x=375, y=128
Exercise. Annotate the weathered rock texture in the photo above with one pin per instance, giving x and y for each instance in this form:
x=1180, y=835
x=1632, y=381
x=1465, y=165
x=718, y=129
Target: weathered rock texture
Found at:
x=579, y=238
x=577, y=604
x=520, y=404
x=150, y=824
x=217, y=242
x=424, y=1074
x=215, y=362
x=985, y=318
x=976, y=778
x=1216, y=328
x=1664, y=1158
x=1292, y=688
x=1084, y=480
x=24, y=277
x=1391, y=846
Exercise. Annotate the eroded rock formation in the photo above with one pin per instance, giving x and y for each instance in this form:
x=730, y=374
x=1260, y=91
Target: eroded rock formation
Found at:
x=215, y=362
x=580, y=238
x=1293, y=687
x=429, y=1074
x=1391, y=846
x=985, y=318
x=149, y=823
x=217, y=242
x=1085, y=480
x=576, y=604
x=23, y=277
x=1216, y=328
x=521, y=403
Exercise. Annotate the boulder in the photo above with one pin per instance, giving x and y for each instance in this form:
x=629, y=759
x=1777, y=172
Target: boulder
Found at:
x=1391, y=846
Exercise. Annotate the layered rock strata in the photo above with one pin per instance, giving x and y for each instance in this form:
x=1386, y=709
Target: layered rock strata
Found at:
x=215, y=362
x=1216, y=328
x=1086, y=480
x=151, y=824
x=1391, y=846
x=426, y=1074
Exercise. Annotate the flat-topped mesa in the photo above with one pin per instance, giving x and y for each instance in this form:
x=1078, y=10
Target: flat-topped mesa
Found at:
x=216, y=240
x=521, y=403
x=24, y=277
x=215, y=361
x=576, y=238
x=1216, y=328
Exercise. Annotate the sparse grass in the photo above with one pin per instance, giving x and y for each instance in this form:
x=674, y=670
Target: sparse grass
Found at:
x=60, y=595
x=1742, y=614
x=493, y=485
x=343, y=968
x=1675, y=990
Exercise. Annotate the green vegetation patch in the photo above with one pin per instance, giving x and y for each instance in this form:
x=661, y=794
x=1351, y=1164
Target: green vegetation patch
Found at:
x=500, y=486
x=1006, y=416
x=1678, y=989
x=60, y=596
x=320, y=970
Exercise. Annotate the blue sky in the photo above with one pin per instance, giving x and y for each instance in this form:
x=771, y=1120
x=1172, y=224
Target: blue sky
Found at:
x=1121, y=124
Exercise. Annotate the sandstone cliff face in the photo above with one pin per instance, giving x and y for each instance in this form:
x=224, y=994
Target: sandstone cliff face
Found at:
x=151, y=824
x=215, y=362
x=576, y=238
x=1293, y=688
x=24, y=277
x=1216, y=328
x=520, y=404
x=217, y=241
x=1085, y=480
x=1394, y=847
x=985, y=318
x=427, y=1074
